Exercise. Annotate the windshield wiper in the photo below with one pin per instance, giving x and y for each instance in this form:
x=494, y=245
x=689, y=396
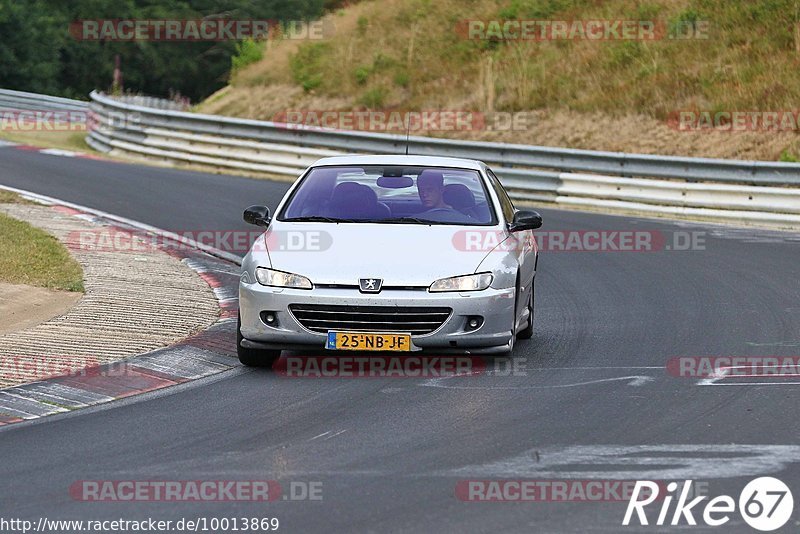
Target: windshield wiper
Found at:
x=398, y=220
x=319, y=218
x=403, y=220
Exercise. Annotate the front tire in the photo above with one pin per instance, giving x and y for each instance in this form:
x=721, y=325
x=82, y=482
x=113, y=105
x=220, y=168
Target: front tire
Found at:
x=527, y=332
x=253, y=357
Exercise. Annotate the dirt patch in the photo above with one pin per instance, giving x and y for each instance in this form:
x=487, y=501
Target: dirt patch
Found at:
x=133, y=303
x=24, y=306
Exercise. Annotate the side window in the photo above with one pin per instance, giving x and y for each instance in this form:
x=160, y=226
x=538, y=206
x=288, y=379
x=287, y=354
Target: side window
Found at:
x=502, y=195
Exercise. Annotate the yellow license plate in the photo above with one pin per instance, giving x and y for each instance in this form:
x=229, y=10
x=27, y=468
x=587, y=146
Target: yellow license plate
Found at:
x=368, y=341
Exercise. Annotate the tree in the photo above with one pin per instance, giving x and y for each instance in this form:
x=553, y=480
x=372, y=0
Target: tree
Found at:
x=37, y=52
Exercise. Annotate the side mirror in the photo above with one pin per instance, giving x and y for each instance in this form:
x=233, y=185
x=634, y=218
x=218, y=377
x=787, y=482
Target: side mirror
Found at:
x=258, y=215
x=525, y=220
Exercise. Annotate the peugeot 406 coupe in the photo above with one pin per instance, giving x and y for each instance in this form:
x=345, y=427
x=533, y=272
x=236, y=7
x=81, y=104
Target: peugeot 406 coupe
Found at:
x=389, y=253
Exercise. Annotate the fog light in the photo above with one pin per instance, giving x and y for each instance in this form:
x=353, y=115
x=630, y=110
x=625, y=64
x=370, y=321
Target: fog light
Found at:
x=269, y=318
x=474, y=322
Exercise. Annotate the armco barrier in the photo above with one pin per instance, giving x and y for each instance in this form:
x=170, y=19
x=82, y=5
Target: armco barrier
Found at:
x=19, y=100
x=36, y=107
x=750, y=191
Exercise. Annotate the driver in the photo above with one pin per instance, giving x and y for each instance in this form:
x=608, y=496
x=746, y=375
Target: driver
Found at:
x=430, y=186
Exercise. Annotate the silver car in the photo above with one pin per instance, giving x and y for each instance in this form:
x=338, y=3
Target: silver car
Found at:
x=389, y=253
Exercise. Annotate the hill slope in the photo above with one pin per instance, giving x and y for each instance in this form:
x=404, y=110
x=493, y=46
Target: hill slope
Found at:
x=596, y=94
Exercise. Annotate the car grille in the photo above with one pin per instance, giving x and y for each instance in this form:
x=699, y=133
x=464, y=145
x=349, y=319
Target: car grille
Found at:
x=413, y=320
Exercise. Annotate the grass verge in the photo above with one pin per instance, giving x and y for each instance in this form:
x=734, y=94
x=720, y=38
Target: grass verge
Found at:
x=75, y=141
x=7, y=197
x=33, y=257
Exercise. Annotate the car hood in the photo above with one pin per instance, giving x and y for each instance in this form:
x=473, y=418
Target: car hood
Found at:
x=400, y=254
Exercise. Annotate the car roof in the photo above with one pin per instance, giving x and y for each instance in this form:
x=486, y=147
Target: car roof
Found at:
x=417, y=161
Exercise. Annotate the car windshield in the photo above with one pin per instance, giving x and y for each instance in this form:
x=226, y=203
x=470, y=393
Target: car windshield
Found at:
x=391, y=194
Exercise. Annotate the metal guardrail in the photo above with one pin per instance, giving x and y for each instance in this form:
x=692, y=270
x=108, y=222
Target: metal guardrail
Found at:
x=20, y=100
x=757, y=191
x=502, y=155
x=30, y=109
x=33, y=106
x=752, y=191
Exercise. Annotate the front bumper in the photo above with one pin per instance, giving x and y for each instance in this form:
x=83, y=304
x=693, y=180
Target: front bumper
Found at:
x=496, y=306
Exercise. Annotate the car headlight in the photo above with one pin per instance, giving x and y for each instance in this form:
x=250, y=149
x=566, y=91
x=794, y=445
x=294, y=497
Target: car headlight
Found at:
x=271, y=277
x=470, y=282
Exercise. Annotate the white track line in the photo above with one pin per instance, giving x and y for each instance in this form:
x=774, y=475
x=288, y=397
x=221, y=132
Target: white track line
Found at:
x=635, y=381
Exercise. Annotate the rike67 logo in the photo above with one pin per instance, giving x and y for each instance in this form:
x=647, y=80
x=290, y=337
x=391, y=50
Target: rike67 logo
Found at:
x=765, y=504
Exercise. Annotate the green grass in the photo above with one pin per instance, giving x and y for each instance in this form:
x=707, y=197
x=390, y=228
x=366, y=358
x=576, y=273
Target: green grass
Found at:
x=788, y=157
x=75, y=141
x=33, y=257
x=306, y=66
x=247, y=53
x=7, y=197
